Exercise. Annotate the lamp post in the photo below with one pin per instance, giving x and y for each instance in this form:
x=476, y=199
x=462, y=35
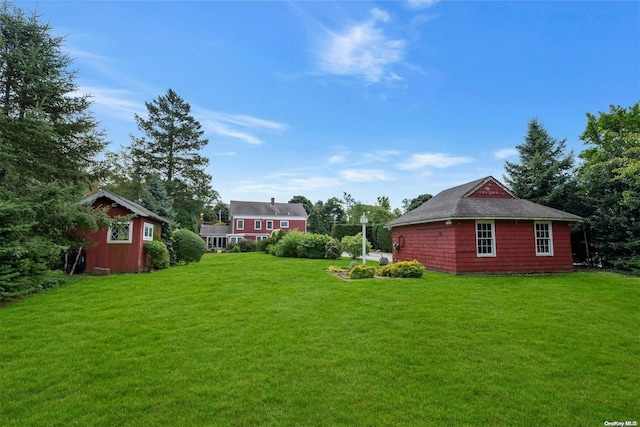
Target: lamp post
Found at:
x=363, y=221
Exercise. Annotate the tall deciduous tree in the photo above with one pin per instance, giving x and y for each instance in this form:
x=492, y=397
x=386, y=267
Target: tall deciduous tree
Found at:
x=170, y=147
x=544, y=171
x=610, y=183
x=49, y=143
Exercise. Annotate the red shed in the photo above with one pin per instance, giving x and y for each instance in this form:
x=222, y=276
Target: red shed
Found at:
x=481, y=227
x=119, y=247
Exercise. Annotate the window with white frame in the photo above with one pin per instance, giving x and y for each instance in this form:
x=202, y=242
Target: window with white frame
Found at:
x=120, y=232
x=544, y=238
x=269, y=225
x=485, y=238
x=147, y=233
x=240, y=224
x=284, y=224
x=235, y=239
x=258, y=224
x=258, y=238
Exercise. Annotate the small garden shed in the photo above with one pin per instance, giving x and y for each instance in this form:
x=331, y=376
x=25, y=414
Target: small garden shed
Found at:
x=118, y=248
x=481, y=227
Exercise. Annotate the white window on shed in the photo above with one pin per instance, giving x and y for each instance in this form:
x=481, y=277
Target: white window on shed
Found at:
x=120, y=232
x=485, y=239
x=544, y=238
x=147, y=233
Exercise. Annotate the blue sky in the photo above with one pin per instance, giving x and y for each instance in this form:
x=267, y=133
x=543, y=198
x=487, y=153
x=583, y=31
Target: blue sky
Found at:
x=317, y=98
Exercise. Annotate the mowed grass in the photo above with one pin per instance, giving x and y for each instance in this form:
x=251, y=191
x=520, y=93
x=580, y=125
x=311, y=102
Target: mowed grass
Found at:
x=250, y=339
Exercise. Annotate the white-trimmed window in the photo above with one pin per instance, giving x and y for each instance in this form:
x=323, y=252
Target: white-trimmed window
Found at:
x=284, y=224
x=240, y=224
x=235, y=239
x=120, y=232
x=485, y=238
x=258, y=224
x=147, y=232
x=544, y=238
x=269, y=225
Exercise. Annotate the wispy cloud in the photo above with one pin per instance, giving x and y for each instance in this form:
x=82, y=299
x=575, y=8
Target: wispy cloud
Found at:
x=433, y=160
x=366, y=175
x=505, y=153
x=237, y=126
x=362, y=49
x=120, y=103
x=337, y=158
x=421, y=4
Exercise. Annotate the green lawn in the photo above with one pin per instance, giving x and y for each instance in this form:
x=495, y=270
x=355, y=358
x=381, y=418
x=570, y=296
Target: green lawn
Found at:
x=250, y=339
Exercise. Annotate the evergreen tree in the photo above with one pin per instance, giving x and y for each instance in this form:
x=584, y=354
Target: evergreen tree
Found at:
x=48, y=147
x=170, y=148
x=544, y=172
x=411, y=204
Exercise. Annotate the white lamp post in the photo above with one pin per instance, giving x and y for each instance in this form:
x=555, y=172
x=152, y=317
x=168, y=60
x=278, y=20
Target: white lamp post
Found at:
x=363, y=221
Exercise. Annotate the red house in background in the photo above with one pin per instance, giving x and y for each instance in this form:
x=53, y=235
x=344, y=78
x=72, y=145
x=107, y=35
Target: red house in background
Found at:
x=257, y=220
x=481, y=227
x=119, y=247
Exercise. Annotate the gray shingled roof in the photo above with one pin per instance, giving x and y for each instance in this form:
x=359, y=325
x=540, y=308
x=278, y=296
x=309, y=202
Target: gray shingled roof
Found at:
x=264, y=209
x=132, y=206
x=454, y=203
x=215, y=229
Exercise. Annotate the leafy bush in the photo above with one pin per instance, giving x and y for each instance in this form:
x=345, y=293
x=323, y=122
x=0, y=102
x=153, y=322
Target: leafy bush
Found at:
x=332, y=249
x=264, y=244
x=157, y=255
x=313, y=246
x=353, y=245
x=406, y=269
x=188, y=246
x=243, y=245
x=362, y=272
x=287, y=246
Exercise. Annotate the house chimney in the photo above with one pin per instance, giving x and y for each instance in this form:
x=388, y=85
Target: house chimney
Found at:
x=273, y=201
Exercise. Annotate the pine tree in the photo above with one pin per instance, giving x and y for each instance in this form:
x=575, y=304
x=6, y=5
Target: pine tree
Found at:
x=170, y=148
x=544, y=173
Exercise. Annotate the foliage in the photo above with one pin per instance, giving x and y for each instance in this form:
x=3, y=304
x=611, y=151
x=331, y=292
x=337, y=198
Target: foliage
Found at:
x=381, y=237
x=169, y=147
x=411, y=204
x=188, y=246
x=287, y=246
x=244, y=245
x=332, y=249
x=362, y=272
x=610, y=183
x=49, y=144
x=296, y=244
x=404, y=269
x=157, y=255
x=353, y=245
x=544, y=172
x=264, y=245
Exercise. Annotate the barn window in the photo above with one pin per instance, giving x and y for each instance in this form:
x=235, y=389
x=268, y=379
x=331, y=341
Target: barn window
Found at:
x=120, y=232
x=544, y=238
x=147, y=233
x=240, y=224
x=485, y=238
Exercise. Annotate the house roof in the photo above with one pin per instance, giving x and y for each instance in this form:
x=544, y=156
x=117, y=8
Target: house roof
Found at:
x=215, y=229
x=132, y=206
x=265, y=209
x=455, y=203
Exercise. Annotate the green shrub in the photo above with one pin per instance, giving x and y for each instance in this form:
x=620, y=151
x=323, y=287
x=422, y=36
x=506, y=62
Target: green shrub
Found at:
x=353, y=245
x=233, y=248
x=362, y=272
x=406, y=269
x=287, y=246
x=264, y=244
x=243, y=245
x=157, y=255
x=313, y=246
x=332, y=249
x=188, y=246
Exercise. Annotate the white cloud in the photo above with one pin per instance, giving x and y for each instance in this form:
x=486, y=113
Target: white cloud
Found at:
x=505, y=153
x=337, y=158
x=237, y=126
x=362, y=49
x=421, y=4
x=434, y=160
x=119, y=103
x=366, y=175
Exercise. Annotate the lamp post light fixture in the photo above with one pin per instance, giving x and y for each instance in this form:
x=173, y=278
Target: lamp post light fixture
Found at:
x=363, y=221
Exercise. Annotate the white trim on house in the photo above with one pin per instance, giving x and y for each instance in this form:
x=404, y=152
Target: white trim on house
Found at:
x=147, y=231
x=120, y=232
x=543, y=233
x=485, y=238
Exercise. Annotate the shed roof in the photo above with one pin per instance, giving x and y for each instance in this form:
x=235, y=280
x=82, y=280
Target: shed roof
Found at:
x=132, y=206
x=265, y=209
x=455, y=203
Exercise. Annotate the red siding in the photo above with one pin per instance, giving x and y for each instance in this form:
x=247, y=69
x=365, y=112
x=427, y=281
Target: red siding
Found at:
x=452, y=248
x=491, y=190
x=119, y=257
x=250, y=228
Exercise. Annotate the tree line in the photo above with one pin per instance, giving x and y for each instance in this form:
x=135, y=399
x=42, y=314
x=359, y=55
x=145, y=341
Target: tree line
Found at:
x=53, y=152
